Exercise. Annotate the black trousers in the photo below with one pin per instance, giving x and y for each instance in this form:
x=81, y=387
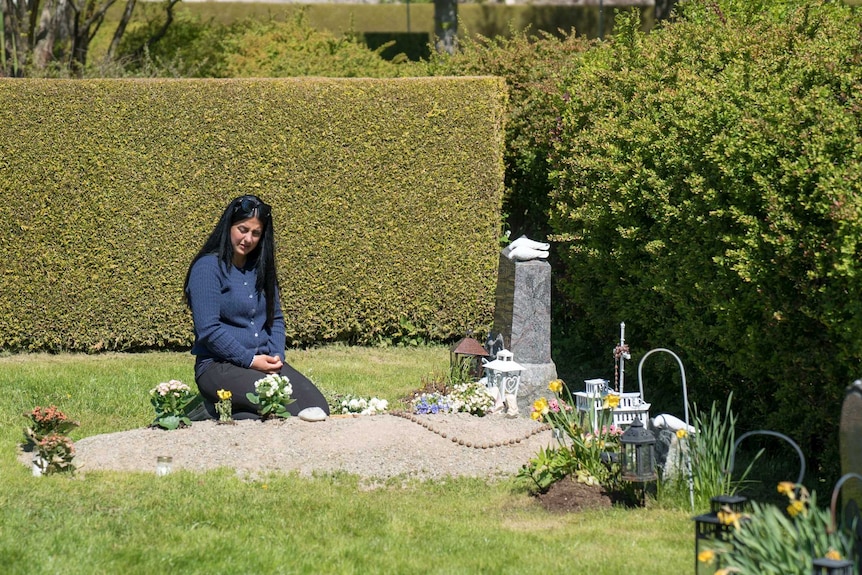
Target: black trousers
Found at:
x=240, y=381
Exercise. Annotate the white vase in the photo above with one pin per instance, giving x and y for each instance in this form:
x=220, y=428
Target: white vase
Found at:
x=39, y=465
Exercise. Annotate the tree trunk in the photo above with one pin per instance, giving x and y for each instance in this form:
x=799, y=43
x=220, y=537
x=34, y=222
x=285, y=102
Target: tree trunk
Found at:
x=446, y=25
x=121, y=28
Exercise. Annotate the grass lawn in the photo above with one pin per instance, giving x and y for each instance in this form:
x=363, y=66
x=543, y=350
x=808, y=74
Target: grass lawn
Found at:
x=109, y=522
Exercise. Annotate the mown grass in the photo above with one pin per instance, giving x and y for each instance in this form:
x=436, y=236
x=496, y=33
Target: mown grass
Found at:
x=218, y=522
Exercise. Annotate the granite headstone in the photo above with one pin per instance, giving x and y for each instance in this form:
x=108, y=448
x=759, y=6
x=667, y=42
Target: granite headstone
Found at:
x=522, y=323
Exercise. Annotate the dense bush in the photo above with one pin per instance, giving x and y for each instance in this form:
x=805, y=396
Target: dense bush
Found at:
x=254, y=49
x=531, y=65
x=708, y=185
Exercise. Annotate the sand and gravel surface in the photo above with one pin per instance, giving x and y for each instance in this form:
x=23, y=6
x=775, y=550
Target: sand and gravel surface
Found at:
x=376, y=447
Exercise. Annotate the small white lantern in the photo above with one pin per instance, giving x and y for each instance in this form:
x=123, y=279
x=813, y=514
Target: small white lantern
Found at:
x=504, y=374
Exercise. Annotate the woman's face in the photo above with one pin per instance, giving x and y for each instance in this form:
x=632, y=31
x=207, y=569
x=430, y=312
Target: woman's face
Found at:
x=244, y=237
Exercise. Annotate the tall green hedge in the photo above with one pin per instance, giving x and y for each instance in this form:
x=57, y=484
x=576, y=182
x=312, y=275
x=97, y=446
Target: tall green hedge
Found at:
x=386, y=197
x=709, y=193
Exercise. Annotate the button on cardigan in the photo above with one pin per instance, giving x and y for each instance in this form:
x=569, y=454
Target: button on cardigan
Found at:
x=229, y=316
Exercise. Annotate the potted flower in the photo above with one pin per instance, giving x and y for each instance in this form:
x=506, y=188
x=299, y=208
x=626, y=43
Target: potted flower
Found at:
x=54, y=454
x=53, y=451
x=272, y=396
x=224, y=406
x=171, y=399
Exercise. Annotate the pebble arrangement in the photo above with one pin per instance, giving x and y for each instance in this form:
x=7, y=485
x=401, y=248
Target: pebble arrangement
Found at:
x=475, y=445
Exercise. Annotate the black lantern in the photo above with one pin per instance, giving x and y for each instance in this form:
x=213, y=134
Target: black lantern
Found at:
x=706, y=529
x=638, y=453
x=717, y=525
x=825, y=566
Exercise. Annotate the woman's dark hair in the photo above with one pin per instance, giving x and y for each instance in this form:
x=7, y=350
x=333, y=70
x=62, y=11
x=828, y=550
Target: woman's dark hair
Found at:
x=263, y=256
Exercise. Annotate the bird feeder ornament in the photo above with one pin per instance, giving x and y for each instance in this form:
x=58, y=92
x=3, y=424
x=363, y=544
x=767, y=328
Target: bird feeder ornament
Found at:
x=504, y=379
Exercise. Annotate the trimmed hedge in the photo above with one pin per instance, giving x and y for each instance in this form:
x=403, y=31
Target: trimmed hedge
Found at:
x=386, y=197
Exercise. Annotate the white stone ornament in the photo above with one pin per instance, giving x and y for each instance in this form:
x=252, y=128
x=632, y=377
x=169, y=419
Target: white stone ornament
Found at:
x=668, y=421
x=524, y=249
x=312, y=414
x=525, y=254
x=511, y=405
x=526, y=242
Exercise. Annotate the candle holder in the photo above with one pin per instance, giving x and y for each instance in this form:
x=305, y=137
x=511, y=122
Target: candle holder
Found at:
x=163, y=465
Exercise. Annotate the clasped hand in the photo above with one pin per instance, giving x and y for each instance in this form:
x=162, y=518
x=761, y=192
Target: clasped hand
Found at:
x=267, y=363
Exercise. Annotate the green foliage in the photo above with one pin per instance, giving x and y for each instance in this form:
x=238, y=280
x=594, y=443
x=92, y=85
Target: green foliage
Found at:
x=386, y=197
x=711, y=451
x=275, y=49
x=189, y=48
x=550, y=465
x=531, y=65
x=770, y=542
x=585, y=446
x=707, y=186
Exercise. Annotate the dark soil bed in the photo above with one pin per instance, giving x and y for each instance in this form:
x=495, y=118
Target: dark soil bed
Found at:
x=567, y=495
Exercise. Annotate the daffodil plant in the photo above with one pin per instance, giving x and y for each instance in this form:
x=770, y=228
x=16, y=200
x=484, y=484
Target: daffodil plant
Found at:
x=771, y=540
x=583, y=451
x=224, y=406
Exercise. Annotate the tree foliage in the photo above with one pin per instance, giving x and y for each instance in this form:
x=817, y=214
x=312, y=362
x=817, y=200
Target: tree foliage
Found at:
x=707, y=183
x=531, y=64
x=40, y=37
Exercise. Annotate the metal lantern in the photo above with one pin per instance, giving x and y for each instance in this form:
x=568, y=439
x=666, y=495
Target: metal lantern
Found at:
x=825, y=566
x=638, y=453
x=504, y=373
x=709, y=527
x=706, y=529
x=467, y=351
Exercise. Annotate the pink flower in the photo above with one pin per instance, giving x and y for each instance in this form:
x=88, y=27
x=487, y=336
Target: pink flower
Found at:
x=553, y=405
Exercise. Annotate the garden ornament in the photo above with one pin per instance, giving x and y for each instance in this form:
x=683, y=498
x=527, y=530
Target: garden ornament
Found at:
x=524, y=249
x=667, y=421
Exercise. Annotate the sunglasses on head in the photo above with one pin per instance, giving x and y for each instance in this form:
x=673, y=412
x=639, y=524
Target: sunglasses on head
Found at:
x=247, y=205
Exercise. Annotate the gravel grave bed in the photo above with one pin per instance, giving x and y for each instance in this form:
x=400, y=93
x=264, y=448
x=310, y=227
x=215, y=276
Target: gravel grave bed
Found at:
x=376, y=447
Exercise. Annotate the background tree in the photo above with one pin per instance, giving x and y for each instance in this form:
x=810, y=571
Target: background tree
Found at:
x=37, y=35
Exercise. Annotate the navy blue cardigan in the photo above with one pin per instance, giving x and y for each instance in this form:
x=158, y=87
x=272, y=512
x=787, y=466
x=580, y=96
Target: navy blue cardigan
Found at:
x=229, y=316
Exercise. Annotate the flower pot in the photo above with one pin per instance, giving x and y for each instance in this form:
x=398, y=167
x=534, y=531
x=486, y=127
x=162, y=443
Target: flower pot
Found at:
x=39, y=465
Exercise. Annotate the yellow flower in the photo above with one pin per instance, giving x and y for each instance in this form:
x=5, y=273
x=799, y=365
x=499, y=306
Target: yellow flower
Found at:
x=706, y=556
x=795, y=508
x=224, y=395
x=834, y=555
x=556, y=385
x=541, y=405
x=729, y=518
x=681, y=433
x=787, y=488
x=612, y=401
x=536, y=415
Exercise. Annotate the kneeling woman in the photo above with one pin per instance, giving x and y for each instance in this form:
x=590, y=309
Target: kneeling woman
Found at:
x=232, y=290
